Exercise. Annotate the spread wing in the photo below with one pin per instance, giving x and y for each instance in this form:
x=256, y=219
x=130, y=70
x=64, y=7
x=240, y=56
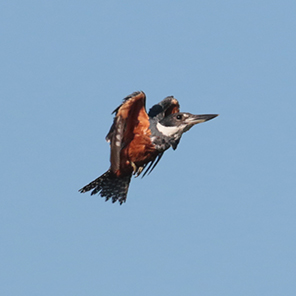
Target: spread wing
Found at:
x=167, y=106
x=129, y=118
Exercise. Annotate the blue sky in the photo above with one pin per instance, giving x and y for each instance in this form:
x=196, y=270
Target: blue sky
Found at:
x=217, y=216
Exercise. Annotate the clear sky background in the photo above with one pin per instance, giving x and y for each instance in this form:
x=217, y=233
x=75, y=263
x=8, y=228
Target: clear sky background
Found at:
x=216, y=216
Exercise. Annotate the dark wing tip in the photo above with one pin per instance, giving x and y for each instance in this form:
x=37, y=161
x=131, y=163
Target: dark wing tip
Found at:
x=153, y=164
x=167, y=106
x=132, y=95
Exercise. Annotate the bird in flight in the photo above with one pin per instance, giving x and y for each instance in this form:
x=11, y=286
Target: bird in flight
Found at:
x=138, y=141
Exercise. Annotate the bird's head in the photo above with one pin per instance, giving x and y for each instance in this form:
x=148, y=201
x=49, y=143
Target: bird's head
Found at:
x=176, y=124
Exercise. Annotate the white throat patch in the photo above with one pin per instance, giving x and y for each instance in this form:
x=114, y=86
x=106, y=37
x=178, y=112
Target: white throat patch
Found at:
x=169, y=130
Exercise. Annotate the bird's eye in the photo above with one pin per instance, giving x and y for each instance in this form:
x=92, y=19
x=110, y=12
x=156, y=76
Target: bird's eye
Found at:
x=179, y=117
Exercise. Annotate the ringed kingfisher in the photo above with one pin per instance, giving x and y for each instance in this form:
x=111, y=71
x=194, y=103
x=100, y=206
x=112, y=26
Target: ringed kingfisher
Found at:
x=138, y=141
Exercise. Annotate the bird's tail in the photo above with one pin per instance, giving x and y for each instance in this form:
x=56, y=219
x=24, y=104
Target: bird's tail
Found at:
x=109, y=186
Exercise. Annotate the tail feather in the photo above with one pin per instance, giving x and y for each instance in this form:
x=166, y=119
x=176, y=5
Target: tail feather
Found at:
x=109, y=186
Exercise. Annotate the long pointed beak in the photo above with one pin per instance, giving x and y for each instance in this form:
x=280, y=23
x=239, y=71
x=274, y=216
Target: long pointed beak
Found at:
x=195, y=119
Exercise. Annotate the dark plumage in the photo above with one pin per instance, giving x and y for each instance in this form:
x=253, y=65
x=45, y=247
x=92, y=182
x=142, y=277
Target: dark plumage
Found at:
x=138, y=141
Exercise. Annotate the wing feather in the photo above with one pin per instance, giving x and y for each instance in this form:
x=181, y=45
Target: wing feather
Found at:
x=167, y=106
x=130, y=119
x=151, y=166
